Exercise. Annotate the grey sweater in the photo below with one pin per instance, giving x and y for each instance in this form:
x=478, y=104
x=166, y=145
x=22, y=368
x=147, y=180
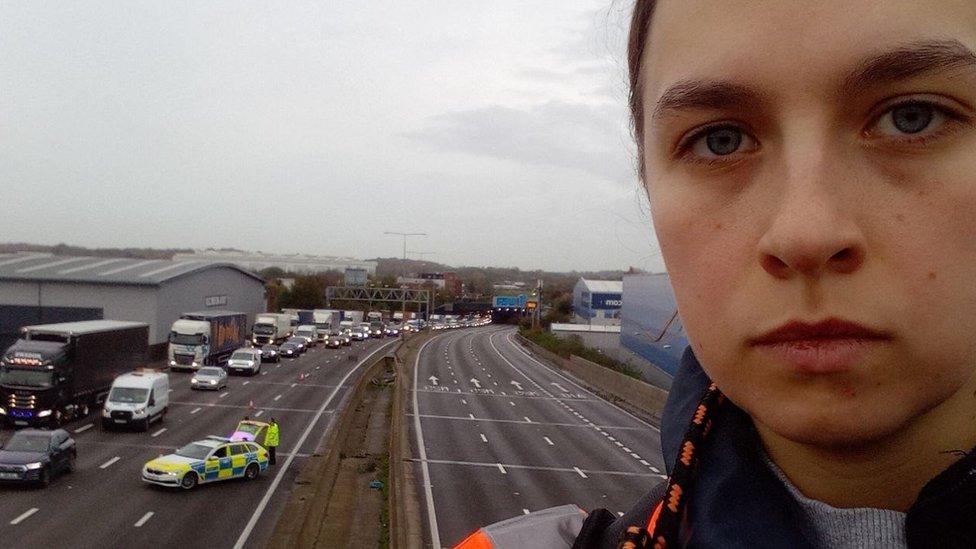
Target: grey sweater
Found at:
x=857, y=528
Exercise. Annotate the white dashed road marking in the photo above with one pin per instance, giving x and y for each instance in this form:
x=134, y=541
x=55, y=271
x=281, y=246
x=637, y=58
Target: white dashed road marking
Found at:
x=549, y=442
x=501, y=468
x=109, y=463
x=26, y=514
x=484, y=438
x=83, y=429
x=193, y=411
x=144, y=518
x=579, y=472
x=159, y=432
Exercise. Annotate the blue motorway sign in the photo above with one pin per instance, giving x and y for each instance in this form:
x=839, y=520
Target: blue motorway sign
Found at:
x=509, y=301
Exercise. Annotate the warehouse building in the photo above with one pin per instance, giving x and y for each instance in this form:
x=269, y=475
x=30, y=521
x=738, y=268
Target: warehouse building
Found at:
x=290, y=263
x=43, y=289
x=649, y=323
x=597, y=301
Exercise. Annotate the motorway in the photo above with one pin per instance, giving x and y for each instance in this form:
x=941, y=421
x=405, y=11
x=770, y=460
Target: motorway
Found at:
x=104, y=503
x=496, y=434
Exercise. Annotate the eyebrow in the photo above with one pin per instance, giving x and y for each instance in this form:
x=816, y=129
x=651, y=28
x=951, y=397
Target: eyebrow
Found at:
x=908, y=61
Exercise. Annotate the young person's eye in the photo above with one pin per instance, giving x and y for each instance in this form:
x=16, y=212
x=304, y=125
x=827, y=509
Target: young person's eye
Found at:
x=717, y=143
x=914, y=121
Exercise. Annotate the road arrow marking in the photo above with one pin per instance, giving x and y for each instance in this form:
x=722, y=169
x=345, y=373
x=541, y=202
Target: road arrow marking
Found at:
x=476, y=383
x=433, y=380
x=560, y=387
x=518, y=386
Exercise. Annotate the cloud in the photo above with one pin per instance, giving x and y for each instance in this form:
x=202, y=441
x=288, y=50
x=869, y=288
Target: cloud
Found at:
x=592, y=138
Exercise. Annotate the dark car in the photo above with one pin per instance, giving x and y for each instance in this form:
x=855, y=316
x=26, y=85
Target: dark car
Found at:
x=299, y=342
x=269, y=353
x=36, y=456
x=289, y=350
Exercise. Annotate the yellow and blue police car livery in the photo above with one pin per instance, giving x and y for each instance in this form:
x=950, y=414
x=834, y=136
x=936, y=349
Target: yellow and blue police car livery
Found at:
x=209, y=460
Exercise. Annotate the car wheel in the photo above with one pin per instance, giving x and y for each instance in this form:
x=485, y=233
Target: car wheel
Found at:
x=70, y=467
x=189, y=481
x=144, y=424
x=252, y=471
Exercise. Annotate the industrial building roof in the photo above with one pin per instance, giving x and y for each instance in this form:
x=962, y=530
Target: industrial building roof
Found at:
x=38, y=267
x=603, y=286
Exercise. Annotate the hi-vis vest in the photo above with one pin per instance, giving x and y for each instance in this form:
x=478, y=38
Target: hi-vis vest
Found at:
x=553, y=528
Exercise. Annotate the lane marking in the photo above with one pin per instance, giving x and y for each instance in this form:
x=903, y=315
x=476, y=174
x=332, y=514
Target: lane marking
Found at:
x=294, y=384
x=144, y=518
x=83, y=429
x=245, y=383
x=259, y=413
x=534, y=468
x=424, y=469
x=159, y=432
x=655, y=469
x=580, y=473
x=635, y=456
x=471, y=416
x=527, y=420
x=252, y=522
x=109, y=463
x=525, y=511
x=549, y=442
x=277, y=397
x=464, y=401
x=644, y=462
x=264, y=373
x=24, y=515
x=484, y=438
x=512, y=403
x=193, y=411
x=222, y=395
x=501, y=468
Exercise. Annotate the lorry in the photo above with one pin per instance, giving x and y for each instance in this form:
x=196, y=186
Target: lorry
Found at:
x=326, y=321
x=299, y=316
x=137, y=398
x=374, y=316
x=270, y=328
x=205, y=338
x=58, y=372
x=356, y=317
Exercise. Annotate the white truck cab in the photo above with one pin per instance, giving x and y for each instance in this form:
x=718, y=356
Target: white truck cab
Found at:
x=137, y=398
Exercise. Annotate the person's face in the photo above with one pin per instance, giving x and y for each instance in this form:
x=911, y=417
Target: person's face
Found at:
x=810, y=174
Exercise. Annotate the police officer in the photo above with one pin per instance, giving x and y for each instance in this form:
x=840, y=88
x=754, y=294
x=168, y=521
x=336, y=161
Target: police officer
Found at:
x=271, y=440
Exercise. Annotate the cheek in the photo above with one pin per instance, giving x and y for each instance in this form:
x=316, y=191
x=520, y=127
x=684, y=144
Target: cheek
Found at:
x=706, y=255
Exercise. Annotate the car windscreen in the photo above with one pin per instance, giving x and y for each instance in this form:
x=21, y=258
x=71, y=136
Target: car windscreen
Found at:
x=264, y=329
x=216, y=372
x=128, y=394
x=28, y=443
x=25, y=378
x=185, y=339
x=248, y=428
x=295, y=341
x=242, y=356
x=194, y=451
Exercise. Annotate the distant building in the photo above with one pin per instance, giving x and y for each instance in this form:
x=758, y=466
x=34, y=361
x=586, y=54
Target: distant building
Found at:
x=597, y=301
x=45, y=289
x=356, y=276
x=292, y=263
x=649, y=322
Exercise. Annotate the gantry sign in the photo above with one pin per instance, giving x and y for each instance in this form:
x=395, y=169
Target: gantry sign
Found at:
x=389, y=295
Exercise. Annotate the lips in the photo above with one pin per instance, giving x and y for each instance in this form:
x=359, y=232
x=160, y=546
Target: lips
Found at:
x=830, y=346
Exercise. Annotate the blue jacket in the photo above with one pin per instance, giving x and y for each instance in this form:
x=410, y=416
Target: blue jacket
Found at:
x=738, y=502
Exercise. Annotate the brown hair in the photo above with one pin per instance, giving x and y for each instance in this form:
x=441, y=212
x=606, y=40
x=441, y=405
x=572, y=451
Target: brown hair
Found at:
x=640, y=25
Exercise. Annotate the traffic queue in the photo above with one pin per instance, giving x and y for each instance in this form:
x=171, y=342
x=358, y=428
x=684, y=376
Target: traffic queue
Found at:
x=136, y=399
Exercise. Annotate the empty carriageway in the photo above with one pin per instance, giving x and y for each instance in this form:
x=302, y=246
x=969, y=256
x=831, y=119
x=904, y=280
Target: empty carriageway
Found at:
x=498, y=433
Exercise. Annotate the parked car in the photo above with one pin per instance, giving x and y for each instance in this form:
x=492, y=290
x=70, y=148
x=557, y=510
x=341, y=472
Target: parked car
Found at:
x=245, y=360
x=36, y=456
x=269, y=353
x=209, y=377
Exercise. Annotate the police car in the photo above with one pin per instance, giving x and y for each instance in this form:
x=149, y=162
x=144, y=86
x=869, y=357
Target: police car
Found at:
x=212, y=459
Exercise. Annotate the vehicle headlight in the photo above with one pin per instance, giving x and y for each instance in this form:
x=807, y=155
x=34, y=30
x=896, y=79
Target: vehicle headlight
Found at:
x=44, y=413
x=138, y=411
x=172, y=363
x=33, y=466
x=106, y=413
x=194, y=364
x=3, y=411
x=193, y=380
x=213, y=381
x=272, y=353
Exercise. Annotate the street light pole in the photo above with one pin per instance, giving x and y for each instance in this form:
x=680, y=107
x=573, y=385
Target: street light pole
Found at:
x=404, y=235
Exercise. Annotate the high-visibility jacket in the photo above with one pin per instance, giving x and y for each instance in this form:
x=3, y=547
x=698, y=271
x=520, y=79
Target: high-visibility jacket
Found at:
x=271, y=437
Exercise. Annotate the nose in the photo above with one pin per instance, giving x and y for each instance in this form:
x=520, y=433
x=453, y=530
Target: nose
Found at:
x=813, y=231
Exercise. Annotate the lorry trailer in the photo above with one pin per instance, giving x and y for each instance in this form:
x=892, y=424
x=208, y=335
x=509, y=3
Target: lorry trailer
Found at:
x=205, y=338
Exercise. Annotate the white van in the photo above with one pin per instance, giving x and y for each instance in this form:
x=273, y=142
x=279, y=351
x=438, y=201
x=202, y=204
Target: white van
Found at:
x=309, y=332
x=245, y=360
x=137, y=398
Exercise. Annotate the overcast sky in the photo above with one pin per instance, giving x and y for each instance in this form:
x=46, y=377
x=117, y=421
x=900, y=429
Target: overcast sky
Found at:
x=499, y=128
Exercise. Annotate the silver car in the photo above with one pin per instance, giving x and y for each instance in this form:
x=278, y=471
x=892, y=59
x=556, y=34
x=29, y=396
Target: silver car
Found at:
x=210, y=377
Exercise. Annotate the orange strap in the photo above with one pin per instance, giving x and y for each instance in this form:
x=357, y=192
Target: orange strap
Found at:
x=652, y=522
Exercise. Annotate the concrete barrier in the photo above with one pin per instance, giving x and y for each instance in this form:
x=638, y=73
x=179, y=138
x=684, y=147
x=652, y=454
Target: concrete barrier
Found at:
x=636, y=396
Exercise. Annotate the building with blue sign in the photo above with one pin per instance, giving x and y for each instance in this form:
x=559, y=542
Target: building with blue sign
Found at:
x=649, y=322
x=597, y=301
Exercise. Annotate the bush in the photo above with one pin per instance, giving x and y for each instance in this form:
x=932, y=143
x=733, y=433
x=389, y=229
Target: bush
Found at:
x=573, y=345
